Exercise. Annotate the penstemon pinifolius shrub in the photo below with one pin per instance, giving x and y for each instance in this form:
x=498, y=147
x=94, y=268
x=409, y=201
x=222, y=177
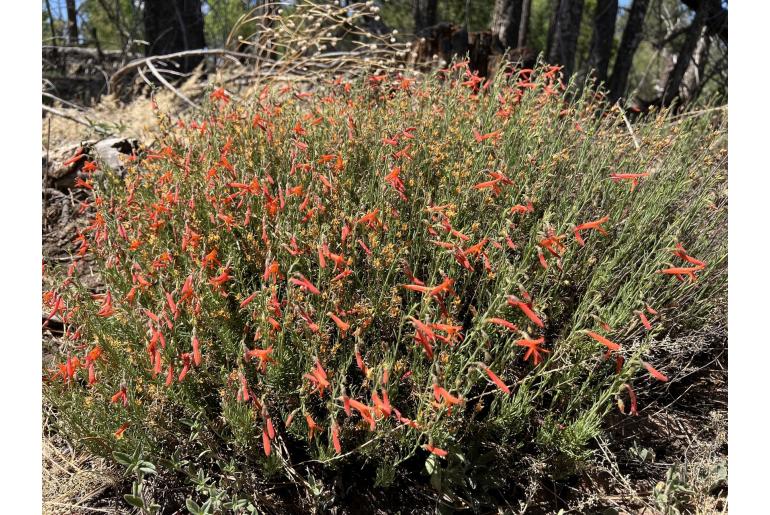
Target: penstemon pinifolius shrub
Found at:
x=389, y=271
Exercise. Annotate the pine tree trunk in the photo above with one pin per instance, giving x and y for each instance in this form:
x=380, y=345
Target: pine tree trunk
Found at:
x=526, y=8
x=425, y=13
x=72, y=22
x=695, y=77
x=632, y=36
x=506, y=18
x=566, y=34
x=717, y=20
x=173, y=26
x=604, y=33
x=684, y=58
x=555, y=6
x=50, y=22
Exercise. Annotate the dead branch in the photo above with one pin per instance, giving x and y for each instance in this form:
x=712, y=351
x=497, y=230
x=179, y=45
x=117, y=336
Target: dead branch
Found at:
x=143, y=61
x=166, y=83
x=64, y=115
x=64, y=102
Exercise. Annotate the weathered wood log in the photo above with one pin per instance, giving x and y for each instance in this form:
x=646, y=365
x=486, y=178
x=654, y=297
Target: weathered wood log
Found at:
x=109, y=152
x=51, y=50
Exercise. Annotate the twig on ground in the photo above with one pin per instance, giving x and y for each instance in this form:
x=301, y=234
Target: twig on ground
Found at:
x=80, y=507
x=68, y=104
x=65, y=115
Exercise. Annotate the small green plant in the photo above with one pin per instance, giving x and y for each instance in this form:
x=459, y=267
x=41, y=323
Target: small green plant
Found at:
x=672, y=494
x=643, y=454
x=139, y=468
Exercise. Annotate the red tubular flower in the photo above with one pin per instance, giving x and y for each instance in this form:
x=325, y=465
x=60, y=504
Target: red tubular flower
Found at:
x=196, y=351
x=654, y=373
x=336, y=438
x=435, y=450
x=499, y=382
x=604, y=341
x=120, y=395
x=533, y=349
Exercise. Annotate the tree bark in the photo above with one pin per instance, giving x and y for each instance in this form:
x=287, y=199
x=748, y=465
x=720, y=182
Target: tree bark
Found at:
x=50, y=21
x=506, y=19
x=694, y=77
x=526, y=8
x=684, y=58
x=555, y=5
x=717, y=20
x=72, y=22
x=632, y=36
x=173, y=26
x=604, y=33
x=99, y=52
x=566, y=34
x=425, y=13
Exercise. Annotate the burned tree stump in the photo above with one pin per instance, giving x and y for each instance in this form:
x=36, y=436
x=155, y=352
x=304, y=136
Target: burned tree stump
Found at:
x=483, y=50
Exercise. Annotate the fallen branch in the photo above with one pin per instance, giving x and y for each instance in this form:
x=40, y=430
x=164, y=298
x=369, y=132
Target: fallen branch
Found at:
x=143, y=61
x=61, y=100
x=88, y=52
x=168, y=84
x=64, y=115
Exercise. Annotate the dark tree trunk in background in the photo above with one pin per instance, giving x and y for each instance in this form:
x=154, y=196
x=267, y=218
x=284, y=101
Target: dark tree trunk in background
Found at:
x=173, y=26
x=632, y=36
x=717, y=20
x=505, y=22
x=554, y=6
x=604, y=34
x=424, y=12
x=565, y=35
x=72, y=22
x=524, y=23
x=95, y=38
x=50, y=21
x=684, y=58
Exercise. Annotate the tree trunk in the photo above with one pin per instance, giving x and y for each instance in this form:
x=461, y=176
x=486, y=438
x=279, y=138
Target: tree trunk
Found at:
x=668, y=60
x=684, y=58
x=632, y=36
x=99, y=52
x=72, y=22
x=173, y=26
x=604, y=33
x=526, y=8
x=554, y=5
x=695, y=77
x=506, y=18
x=717, y=20
x=50, y=22
x=566, y=34
x=424, y=12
